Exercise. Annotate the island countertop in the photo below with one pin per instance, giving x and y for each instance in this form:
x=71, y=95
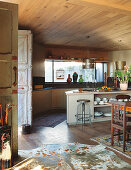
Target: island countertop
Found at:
x=77, y=92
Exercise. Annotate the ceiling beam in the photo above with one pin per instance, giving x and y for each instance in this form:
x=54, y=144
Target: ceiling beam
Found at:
x=109, y=3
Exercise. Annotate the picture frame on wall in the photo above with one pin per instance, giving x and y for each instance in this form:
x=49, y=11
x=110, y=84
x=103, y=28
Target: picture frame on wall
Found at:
x=60, y=74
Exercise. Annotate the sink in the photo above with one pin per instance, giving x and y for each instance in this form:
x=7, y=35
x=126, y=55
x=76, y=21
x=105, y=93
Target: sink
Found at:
x=88, y=89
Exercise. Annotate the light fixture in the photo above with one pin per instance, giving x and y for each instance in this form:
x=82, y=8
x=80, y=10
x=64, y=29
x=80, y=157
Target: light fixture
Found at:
x=120, y=65
x=88, y=63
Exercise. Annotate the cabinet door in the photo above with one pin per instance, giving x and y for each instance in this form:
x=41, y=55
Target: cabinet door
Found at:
x=5, y=74
x=6, y=31
x=5, y=48
x=9, y=65
x=24, y=77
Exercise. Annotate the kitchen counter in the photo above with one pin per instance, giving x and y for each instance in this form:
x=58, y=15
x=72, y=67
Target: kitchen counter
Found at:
x=77, y=92
x=73, y=95
x=65, y=85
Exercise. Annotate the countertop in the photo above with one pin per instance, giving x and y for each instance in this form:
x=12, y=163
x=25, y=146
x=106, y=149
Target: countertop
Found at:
x=77, y=92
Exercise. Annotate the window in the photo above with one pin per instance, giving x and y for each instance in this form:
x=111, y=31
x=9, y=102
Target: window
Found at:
x=48, y=71
x=57, y=71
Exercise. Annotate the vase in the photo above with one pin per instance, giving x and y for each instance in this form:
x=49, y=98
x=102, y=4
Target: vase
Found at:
x=75, y=76
x=124, y=85
x=81, y=79
x=69, y=79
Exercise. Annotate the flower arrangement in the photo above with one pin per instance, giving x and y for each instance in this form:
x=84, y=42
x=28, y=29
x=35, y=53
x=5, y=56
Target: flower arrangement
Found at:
x=123, y=76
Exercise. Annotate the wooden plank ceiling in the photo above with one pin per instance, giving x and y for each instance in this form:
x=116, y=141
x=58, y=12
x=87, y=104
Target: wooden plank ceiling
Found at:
x=101, y=24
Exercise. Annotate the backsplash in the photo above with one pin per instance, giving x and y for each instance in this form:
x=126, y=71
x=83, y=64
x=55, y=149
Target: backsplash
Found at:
x=38, y=81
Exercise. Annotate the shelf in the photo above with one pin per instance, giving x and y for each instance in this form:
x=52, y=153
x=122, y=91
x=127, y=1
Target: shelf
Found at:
x=103, y=105
x=98, y=119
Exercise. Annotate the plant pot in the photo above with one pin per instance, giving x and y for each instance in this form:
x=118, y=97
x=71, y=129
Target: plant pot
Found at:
x=123, y=85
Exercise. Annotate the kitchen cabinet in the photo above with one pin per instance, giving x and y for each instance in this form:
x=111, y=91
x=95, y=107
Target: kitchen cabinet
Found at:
x=41, y=101
x=24, y=77
x=59, y=98
x=6, y=38
x=48, y=99
x=9, y=66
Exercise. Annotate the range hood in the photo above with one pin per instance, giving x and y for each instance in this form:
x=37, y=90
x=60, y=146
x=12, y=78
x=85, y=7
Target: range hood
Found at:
x=88, y=63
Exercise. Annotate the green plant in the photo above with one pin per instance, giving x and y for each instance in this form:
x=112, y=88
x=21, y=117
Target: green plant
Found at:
x=123, y=75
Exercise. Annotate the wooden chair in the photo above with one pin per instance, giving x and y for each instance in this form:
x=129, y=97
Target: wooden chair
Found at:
x=119, y=122
x=123, y=97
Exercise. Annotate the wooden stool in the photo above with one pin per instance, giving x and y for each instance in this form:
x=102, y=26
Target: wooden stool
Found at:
x=83, y=116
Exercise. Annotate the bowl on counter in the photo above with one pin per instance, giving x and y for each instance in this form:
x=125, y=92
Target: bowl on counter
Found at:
x=101, y=102
x=120, y=100
x=95, y=103
x=98, y=114
x=105, y=100
x=97, y=99
x=112, y=99
x=107, y=114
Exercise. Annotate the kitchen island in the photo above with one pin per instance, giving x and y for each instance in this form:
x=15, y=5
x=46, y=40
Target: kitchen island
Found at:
x=105, y=109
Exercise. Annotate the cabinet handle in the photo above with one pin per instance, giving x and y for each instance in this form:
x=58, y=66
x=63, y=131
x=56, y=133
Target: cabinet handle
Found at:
x=22, y=88
x=15, y=70
x=8, y=109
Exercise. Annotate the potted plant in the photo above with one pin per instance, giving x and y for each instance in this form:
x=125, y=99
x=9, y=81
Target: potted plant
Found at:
x=123, y=77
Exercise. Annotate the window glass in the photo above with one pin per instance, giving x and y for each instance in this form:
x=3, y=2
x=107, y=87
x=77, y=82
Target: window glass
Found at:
x=63, y=68
x=101, y=68
x=48, y=71
x=57, y=71
x=99, y=72
x=105, y=67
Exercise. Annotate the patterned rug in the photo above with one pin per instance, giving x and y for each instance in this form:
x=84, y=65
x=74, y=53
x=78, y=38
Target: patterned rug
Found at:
x=72, y=156
x=49, y=120
x=106, y=140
